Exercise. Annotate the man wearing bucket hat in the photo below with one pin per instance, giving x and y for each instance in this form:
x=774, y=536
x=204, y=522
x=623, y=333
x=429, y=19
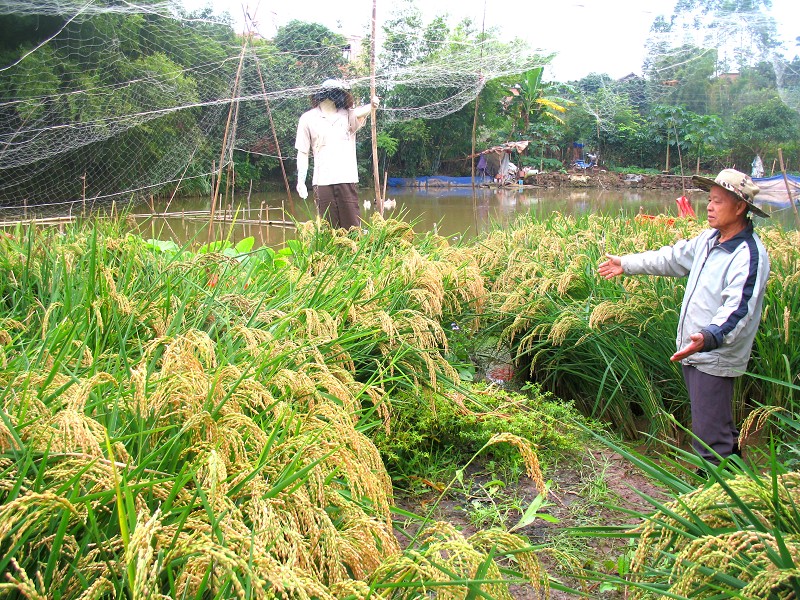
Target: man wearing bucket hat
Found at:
x=328, y=131
x=727, y=268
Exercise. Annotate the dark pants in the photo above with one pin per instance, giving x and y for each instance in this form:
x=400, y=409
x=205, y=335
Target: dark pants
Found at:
x=711, y=398
x=338, y=203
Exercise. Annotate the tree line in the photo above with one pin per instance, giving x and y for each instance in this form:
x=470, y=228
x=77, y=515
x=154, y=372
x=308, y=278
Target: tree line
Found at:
x=689, y=111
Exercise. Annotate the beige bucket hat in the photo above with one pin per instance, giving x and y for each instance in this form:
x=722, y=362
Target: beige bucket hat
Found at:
x=734, y=181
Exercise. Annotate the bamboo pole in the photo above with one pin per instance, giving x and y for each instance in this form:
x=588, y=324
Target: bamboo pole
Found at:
x=788, y=187
x=680, y=160
x=275, y=137
x=374, y=126
x=225, y=137
x=475, y=127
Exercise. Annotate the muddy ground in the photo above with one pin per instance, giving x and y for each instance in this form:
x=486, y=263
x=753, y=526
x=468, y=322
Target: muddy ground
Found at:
x=582, y=495
x=607, y=180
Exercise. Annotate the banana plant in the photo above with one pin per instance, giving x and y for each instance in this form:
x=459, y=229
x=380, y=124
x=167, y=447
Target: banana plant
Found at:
x=536, y=98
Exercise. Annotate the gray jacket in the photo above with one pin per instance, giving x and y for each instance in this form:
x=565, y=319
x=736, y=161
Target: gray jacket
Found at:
x=723, y=297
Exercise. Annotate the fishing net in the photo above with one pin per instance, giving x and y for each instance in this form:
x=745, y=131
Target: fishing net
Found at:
x=703, y=63
x=117, y=102
x=718, y=38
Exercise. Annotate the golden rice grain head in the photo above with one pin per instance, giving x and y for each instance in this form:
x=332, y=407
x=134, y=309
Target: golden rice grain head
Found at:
x=24, y=514
x=76, y=396
x=212, y=473
x=27, y=588
x=774, y=582
x=517, y=548
x=191, y=351
x=86, y=356
x=207, y=562
x=562, y=327
x=142, y=555
x=293, y=383
x=526, y=449
x=655, y=534
x=119, y=301
x=320, y=263
x=7, y=440
x=269, y=317
x=741, y=554
x=238, y=303
x=430, y=304
x=346, y=243
x=382, y=320
x=319, y=324
x=756, y=420
x=46, y=319
x=251, y=396
x=786, y=323
x=512, y=302
x=71, y=431
x=568, y=280
x=351, y=588
x=392, y=228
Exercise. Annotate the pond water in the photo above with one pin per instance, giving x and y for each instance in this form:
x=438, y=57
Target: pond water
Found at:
x=454, y=212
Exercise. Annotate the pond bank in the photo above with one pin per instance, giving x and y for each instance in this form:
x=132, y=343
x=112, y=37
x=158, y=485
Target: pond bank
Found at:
x=608, y=180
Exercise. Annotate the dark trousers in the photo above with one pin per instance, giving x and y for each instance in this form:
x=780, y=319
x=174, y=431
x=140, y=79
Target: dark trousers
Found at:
x=338, y=204
x=711, y=399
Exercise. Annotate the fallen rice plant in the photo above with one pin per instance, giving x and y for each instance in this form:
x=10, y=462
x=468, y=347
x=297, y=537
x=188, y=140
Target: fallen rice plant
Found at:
x=178, y=424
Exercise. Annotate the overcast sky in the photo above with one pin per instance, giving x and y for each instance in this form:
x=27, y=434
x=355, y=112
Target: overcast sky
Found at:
x=601, y=36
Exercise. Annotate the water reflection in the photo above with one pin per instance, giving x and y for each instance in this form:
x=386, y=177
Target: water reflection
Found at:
x=448, y=211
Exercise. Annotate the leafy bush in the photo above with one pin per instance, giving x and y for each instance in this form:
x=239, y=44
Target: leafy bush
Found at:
x=447, y=429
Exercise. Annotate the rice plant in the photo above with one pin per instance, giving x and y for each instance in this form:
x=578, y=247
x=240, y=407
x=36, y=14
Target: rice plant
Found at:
x=194, y=423
x=606, y=344
x=731, y=533
x=200, y=422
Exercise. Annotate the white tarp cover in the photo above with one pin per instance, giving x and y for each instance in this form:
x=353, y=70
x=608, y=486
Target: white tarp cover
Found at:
x=773, y=189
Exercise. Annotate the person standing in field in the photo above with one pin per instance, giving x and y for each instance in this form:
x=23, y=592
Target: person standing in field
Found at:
x=727, y=268
x=328, y=131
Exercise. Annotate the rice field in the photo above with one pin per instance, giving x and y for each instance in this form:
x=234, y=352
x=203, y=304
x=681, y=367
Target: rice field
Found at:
x=193, y=422
x=606, y=344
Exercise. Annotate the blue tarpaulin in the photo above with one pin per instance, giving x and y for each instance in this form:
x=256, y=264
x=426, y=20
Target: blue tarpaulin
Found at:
x=436, y=181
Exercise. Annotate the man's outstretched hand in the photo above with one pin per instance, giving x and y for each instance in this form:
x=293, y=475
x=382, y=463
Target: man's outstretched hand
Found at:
x=302, y=190
x=610, y=268
x=696, y=345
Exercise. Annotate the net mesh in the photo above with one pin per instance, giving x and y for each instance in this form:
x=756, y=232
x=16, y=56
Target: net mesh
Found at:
x=116, y=102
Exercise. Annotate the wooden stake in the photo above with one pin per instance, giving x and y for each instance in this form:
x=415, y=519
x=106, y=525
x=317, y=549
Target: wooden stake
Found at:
x=275, y=137
x=231, y=110
x=475, y=112
x=374, y=126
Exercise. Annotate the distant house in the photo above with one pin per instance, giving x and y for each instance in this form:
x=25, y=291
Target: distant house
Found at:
x=728, y=76
x=354, y=47
x=628, y=77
